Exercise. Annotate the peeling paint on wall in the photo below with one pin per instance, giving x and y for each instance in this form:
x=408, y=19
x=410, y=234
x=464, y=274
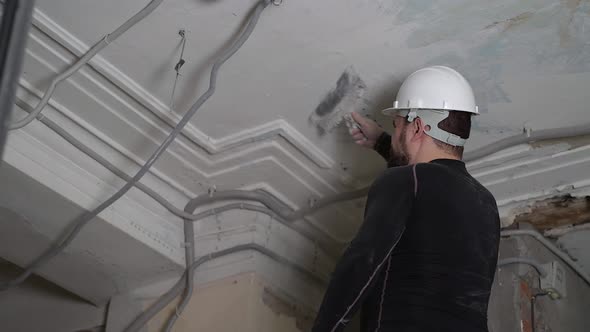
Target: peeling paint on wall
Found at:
x=510, y=23
x=485, y=42
x=280, y=306
x=573, y=143
x=557, y=212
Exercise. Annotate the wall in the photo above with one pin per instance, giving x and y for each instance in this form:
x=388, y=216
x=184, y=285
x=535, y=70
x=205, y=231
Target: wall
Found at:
x=39, y=306
x=241, y=303
x=105, y=259
x=510, y=304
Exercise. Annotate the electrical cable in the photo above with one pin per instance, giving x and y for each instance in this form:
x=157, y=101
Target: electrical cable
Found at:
x=82, y=220
x=527, y=261
x=557, y=133
x=260, y=196
x=539, y=237
x=190, y=207
x=533, y=300
x=528, y=138
x=173, y=292
x=194, y=203
x=277, y=210
x=492, y=148
x=273, y=207
x=189, y=245
x=542, y=272
x=15, y=22
x=177, y=67
x=188, y=275
x=106, y=40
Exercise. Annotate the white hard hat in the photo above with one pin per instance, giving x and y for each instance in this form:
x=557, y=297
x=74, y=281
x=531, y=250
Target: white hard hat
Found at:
x=430, y=93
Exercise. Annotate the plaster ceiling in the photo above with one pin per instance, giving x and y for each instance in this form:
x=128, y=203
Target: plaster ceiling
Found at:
x=528, y=61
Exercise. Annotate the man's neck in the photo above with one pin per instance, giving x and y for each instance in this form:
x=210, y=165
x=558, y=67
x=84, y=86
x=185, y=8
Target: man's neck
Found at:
x=428, y=156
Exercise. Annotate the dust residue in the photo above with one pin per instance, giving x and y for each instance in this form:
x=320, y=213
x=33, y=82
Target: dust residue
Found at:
x=347, y=96
x=332, y=99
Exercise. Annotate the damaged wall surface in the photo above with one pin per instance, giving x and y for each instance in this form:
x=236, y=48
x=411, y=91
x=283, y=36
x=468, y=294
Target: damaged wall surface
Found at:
x=514, y=285
x=241, y=303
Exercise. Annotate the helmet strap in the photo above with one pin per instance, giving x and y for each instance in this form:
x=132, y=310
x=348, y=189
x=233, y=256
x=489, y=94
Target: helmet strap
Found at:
x=432, y=118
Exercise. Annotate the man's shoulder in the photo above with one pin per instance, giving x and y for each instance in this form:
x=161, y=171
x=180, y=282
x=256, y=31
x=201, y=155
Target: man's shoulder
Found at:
x=395, y=177
x=450, y=176
x=396, y=173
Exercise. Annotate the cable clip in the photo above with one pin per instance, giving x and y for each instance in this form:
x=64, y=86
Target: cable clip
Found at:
x=277, y=2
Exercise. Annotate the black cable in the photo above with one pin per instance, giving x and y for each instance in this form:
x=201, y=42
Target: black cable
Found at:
x=7, y=24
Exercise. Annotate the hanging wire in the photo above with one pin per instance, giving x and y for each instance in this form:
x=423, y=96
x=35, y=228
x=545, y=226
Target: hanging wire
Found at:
x=177, y=67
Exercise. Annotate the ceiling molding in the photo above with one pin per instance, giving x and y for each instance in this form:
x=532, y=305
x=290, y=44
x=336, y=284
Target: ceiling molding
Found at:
x=277, y=128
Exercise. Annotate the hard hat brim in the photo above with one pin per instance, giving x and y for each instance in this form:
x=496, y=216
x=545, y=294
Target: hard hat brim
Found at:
x=392, y=111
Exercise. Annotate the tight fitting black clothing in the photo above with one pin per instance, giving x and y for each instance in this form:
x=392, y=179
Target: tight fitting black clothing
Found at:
x=424, y=258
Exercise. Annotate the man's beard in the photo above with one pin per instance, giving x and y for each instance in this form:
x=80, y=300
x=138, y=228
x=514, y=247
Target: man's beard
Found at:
x=399, y=158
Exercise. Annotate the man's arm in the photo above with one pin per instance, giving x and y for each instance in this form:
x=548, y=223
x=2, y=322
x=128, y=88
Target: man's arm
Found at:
x=372, y=136
x=389, y=205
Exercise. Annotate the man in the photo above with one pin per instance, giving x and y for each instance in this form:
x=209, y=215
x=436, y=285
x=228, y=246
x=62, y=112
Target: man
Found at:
x=425, y=257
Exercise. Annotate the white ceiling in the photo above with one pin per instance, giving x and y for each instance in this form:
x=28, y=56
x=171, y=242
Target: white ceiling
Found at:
x=528, y=61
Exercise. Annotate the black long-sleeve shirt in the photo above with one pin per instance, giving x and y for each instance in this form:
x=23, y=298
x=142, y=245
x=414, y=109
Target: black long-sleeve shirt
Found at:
x=424, y=258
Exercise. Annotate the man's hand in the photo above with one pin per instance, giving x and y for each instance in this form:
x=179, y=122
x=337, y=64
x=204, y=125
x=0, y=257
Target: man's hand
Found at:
x=368, y=134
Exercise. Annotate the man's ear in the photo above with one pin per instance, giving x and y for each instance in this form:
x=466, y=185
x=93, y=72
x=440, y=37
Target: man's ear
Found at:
x=418, y=129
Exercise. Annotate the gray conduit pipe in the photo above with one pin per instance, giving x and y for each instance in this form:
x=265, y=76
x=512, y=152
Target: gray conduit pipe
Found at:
x=528, y=137
x=518, y=139
x=189, y=274
x=189, y=245
x=106, y=40
x=274, y=208
x=191, y=206
x=163, y=301
x=81, y=221
x=277, y=206
x=558, y=252
x=524, y=138
x=526, y=261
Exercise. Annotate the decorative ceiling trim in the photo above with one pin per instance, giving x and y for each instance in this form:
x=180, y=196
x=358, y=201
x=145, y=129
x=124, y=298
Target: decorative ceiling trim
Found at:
x=277, y=128
x=28, y=154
